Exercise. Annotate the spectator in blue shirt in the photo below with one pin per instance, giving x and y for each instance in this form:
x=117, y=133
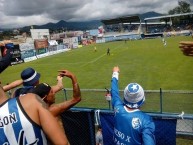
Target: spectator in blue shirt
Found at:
x=132, y=126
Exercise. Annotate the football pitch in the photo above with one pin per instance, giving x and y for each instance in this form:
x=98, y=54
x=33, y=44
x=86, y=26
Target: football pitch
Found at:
x=147, y=62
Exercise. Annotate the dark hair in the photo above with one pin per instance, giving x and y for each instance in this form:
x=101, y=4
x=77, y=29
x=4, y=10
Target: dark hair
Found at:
x=41, y=90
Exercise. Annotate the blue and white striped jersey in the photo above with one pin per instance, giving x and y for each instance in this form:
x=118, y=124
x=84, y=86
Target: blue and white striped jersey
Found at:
x=16, y=128
x=131, y=127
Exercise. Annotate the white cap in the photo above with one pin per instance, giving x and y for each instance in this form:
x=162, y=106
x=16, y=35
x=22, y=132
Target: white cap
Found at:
x=134, y=95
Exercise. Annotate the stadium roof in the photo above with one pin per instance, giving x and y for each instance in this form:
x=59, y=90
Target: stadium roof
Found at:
x=126, y=19
x=168, y=16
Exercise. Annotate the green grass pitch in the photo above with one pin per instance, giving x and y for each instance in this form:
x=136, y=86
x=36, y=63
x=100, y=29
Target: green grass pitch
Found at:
x=146, y=62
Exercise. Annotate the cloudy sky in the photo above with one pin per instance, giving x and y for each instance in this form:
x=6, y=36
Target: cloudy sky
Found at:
x=19, y=13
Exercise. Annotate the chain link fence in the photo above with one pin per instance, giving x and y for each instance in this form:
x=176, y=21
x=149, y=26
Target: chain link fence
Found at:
x=80, y=125
x=156, y=100
x=165, y=104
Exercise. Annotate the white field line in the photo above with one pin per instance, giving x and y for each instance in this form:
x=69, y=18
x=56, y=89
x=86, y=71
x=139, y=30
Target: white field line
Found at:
x=84, y=63
x=94, y=60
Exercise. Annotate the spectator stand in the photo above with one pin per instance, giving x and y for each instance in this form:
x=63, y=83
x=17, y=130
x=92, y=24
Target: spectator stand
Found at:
x=121, y=28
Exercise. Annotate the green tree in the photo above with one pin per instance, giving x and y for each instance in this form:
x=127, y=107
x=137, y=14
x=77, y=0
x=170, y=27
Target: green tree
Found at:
x=183, y=7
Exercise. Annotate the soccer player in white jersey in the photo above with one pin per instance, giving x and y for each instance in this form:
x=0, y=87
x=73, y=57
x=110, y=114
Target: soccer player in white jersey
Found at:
x=25, y=119
x=132, y=126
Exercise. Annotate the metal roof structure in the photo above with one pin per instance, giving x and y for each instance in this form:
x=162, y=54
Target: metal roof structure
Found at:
x=126, y=19
x=169, y=16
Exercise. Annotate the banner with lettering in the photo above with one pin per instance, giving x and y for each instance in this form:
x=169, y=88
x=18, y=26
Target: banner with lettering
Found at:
x=165, y=130
x=107, y=123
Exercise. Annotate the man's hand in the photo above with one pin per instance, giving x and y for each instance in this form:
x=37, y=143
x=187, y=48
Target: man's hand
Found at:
x=186, y=47
x=65, y=73
x=116, y=72
x=116, y=69
x=59, y=78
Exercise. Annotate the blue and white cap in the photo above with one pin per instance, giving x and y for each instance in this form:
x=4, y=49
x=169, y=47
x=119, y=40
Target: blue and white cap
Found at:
x=29, y=76
x=134, y=95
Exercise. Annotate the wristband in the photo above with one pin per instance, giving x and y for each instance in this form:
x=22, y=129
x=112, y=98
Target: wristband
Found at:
x=115, y=75
x=75, y=84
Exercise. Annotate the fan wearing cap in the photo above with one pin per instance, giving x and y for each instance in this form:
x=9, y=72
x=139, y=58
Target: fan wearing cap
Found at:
x=30, y=79
x=135, y=126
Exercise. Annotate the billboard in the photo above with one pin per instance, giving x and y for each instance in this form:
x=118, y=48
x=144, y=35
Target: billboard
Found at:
x=26, y=46
x=27, y=53
x=41, y=43
x=41, y=51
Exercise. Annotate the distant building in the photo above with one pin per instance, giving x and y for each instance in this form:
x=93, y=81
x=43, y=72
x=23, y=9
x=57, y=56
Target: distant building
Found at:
x=71, y=42
x=40, y=34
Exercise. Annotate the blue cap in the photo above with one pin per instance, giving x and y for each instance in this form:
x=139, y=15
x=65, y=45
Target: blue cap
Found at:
x=29, y=77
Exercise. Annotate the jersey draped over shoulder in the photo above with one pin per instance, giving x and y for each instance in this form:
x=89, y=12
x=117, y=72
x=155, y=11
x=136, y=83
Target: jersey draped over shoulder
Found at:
x=16, y=127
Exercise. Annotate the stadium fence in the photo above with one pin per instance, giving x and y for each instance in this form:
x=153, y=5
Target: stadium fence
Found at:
x=171, y=110
x=80, y=126
x=174, y=126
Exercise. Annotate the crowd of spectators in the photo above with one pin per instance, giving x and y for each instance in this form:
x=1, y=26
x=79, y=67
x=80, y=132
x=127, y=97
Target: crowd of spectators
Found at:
x=174, y=29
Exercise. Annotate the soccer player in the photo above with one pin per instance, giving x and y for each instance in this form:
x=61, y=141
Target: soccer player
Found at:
x=108, y=51
x=132, y=126
x=95, y=49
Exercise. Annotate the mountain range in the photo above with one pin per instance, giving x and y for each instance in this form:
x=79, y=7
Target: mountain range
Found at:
x=86, y=25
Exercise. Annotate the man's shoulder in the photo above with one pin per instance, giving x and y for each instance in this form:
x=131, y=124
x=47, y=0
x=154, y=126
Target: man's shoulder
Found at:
x=145, y=115
x=30, y=99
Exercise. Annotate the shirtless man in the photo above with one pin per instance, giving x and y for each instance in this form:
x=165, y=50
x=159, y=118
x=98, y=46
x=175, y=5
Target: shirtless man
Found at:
x=26, y=120
x=48, y=96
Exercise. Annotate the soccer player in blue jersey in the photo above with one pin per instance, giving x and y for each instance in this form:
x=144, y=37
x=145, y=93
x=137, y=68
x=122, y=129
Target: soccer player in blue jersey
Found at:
x=132, y=126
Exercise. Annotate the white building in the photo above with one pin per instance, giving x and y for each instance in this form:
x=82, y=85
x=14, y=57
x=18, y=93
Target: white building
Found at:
x=40, y=34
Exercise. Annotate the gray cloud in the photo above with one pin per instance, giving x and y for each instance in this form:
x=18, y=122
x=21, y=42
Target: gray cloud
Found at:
x=16, y=13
